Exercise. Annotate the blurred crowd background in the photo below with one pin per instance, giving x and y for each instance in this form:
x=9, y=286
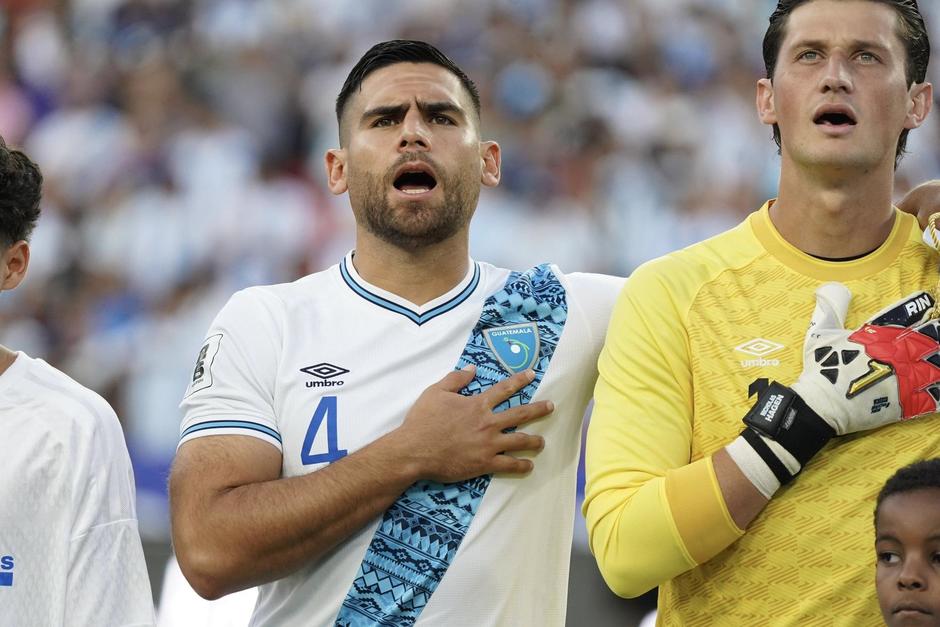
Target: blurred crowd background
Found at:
x=182, y=144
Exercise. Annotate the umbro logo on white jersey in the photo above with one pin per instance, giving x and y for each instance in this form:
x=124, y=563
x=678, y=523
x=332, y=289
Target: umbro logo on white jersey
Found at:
x=326, y=373
x=759, y=348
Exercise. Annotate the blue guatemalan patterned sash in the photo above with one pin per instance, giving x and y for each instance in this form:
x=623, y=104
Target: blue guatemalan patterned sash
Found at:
x=420, y=533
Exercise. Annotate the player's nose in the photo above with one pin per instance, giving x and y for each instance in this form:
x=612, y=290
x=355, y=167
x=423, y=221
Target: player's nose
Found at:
x=836, y=75
x=415, y=133
x=912, y=576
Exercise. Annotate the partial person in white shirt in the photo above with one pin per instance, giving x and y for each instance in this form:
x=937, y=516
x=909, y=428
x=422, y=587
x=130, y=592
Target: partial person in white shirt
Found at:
x=347, y=442
x=180, y=606
x=70, y=551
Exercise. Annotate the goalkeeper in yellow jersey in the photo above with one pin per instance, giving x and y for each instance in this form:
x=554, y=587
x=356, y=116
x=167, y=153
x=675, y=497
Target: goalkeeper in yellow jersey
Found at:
x=734, y=457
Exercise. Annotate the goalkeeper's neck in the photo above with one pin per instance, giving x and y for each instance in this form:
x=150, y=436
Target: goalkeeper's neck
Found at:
x=835, y=212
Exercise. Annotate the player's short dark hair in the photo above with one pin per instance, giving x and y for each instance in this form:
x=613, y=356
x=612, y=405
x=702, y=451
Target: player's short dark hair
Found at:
x=20, y=193
x=923, y=475
x=400, y=51
x=911, y=30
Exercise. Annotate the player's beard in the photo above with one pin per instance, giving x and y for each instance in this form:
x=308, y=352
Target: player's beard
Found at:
x=417, y=224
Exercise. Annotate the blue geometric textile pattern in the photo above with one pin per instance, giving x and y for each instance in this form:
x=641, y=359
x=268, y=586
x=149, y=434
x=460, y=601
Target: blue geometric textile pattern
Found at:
x=421, y=532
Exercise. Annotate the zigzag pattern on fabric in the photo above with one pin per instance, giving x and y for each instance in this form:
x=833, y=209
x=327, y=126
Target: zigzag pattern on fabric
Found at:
x=420, y=533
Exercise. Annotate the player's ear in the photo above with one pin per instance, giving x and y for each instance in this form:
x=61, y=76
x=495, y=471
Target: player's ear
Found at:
x=490, y=158
x=919, y=105
x=765, y=101
x=13, y=265
x=335, y=161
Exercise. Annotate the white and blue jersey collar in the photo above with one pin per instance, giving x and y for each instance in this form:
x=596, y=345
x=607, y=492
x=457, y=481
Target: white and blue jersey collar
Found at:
x=418, y=314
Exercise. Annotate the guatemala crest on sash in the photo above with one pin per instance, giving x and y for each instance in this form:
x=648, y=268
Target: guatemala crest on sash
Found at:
x=516, y=346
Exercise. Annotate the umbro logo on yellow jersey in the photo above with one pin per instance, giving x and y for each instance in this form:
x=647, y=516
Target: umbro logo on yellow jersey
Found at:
x=759, y=348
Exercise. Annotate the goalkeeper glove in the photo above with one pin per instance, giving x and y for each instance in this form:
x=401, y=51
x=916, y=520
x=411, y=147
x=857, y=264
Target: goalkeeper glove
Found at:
x=886, y=371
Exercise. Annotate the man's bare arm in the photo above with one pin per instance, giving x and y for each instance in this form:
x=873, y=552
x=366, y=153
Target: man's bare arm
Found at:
x=923, y=201
x=236, y=523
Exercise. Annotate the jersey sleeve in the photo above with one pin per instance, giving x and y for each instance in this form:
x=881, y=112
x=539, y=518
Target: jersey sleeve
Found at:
x=651, y=512
x=595, y=295
x=232, y=387
x=107, y=581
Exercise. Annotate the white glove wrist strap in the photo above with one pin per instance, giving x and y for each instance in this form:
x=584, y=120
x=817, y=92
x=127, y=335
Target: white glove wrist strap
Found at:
x=782, y=416
x=753, y=466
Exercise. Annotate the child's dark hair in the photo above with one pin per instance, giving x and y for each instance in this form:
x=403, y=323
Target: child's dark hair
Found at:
x=917, y=476
x=20, y=192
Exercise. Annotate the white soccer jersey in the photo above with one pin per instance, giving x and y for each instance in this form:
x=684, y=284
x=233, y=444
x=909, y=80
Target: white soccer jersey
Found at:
x=321, y=367
x=70, y=552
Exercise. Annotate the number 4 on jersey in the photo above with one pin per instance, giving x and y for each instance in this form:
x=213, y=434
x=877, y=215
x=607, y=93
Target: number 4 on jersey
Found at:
x=326, y=409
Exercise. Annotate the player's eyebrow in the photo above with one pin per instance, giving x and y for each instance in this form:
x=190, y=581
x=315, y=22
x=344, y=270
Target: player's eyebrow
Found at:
x=395, y=111
x=855, y=44
x=442, y=106
x=398, y=111
x=886, y=537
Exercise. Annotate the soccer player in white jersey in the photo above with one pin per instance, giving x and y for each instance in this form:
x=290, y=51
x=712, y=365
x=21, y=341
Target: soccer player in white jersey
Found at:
x=70, y=552
x=305, y=421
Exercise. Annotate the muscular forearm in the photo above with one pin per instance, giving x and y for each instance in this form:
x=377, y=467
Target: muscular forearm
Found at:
x=244, y=535
x=237, y=524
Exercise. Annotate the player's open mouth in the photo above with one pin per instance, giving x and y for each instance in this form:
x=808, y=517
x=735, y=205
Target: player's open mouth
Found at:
x=415, y=179
x=835, y=117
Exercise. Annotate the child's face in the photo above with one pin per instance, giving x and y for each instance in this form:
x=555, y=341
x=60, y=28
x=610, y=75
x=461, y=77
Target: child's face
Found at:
x=908, y=547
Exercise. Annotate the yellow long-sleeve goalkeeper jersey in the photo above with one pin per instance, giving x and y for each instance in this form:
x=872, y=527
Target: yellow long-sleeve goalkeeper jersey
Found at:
x=692, y=335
